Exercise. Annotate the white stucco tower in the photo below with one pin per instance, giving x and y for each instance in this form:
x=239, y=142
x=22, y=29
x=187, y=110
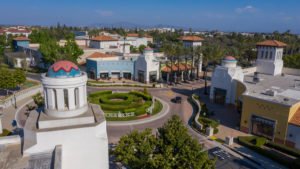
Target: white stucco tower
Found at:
x=147, y=67
x=269, y=57
x=224, y=79
x=68, y=121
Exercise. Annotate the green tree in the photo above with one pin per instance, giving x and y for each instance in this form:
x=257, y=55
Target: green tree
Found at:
x=210, y=54
x=19, y=76
x=38, y=99
x=71, y=50
x=292, y=61
x=172, y=148
x=7, y=80
x=141, y=48
x=51, y=51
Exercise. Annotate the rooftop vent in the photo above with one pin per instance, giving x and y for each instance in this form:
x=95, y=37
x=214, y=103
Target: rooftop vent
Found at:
x=270, y=92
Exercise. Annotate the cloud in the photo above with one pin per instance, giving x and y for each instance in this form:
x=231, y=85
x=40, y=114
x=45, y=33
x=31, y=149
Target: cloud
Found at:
x=105, y=13
x=246, y=9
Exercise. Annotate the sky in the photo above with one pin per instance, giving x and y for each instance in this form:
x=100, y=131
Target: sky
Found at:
x=223, y=15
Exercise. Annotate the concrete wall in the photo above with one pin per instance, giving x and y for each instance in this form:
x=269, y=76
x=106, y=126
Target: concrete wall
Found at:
x=249, y=70
x=85, y=147
x=20, y=95
x=291, y=71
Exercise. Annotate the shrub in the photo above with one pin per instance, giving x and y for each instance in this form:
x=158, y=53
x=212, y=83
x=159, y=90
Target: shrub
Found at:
x=279, y=157
x=126, y=99
x=129, y=110
x=283, y=148
x=260, y=141
x=98, y=93
x=140, y=94
x=209, y=122
x=5, y=132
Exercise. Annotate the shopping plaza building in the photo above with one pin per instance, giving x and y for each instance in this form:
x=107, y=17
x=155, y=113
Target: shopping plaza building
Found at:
x=267, y=96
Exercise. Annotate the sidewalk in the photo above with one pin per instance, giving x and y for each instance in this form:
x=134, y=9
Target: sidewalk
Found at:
x=10, y=113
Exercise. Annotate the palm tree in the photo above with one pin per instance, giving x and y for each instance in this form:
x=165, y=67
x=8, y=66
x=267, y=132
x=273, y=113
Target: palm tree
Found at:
x=210, y=53
x=169, y=51
x=198, y=53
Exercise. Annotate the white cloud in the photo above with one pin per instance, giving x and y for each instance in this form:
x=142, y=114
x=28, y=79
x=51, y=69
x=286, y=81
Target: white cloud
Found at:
x=105, y=13
x=246, y=9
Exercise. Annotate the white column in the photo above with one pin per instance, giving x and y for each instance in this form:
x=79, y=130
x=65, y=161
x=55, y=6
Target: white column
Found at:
x=45, y=98
x=60, y=99
x=50, y=101
x=85, y=95
x=81, y=96
x=71, y=98
x=1, y=130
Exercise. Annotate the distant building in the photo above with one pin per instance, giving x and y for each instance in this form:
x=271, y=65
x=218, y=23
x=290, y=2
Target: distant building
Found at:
x=20, y=41
x=103, y=42
x=143, y=68
x=191, y=41
x=16, y=31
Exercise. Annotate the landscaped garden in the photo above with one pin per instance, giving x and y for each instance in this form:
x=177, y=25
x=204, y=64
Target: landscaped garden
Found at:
x=126, y=106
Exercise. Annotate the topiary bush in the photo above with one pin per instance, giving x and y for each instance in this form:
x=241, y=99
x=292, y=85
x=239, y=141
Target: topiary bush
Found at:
x=140, y=94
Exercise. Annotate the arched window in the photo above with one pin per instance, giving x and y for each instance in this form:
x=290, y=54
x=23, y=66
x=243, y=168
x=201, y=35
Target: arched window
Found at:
x=66, y=98
x=266, y=55
x=76, y=94
x=262, y=54
x=271, y=53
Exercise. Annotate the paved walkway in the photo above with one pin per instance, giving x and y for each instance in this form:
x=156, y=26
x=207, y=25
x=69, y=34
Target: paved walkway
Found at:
x=9, y=113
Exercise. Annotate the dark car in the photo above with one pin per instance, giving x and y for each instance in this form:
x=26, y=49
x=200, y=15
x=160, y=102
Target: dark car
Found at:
x=177, y=99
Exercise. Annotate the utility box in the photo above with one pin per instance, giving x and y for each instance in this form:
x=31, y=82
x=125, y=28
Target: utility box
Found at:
x=209, y=131
x=229, y=141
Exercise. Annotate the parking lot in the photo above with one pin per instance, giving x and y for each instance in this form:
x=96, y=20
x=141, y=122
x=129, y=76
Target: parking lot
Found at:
x=226, y=160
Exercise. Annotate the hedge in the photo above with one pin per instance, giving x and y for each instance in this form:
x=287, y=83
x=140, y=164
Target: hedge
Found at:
x=127, y=99
x=248, y=142
x=98, y=93
x=140, y=94
x=209, y=122
x=284, y=149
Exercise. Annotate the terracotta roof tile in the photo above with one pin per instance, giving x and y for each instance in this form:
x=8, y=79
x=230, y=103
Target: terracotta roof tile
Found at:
x=100, y=55
x=273, y=43
x=103, y=38
x=295, y=120
x=21, y=38
x=181, y=67
x=191, y=38
x=132, y=35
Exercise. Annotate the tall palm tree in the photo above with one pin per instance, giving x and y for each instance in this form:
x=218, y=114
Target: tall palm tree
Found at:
x=198, y=54
x=169, y=51
x=210, y=53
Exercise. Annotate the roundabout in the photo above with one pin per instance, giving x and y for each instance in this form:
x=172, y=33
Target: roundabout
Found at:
x=126, y=106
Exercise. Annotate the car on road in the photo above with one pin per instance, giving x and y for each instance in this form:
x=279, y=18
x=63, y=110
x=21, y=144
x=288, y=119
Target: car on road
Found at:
x=177, y=99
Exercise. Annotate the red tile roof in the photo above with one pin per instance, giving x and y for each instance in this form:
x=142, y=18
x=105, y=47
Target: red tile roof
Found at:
x=273, y=43
x=175, y=67
x=18, y=30
x=229, y=58
x=103, y=38
x=21, y=38
x=100, y=55
x=132, y=35
x=295, y=120
x=191, y=38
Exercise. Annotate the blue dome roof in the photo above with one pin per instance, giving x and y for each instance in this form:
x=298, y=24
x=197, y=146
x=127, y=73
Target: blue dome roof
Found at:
x=63, y=69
